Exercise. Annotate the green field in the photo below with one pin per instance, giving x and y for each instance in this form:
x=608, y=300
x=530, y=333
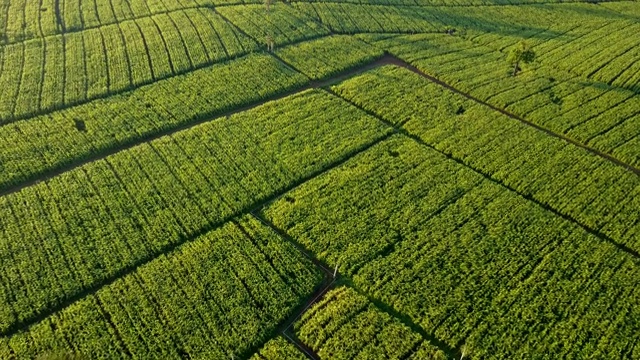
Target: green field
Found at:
x=357, y=179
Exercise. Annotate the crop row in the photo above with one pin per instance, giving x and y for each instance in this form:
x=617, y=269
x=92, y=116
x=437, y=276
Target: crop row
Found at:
x=283, y=24
x=346, y=18
x=565, y=177
x=218, y=296
x=570, y=37
x=90, y=224
x=322, y=58
x=496, y=21
x=22, y=20
x=444, y=3
x=58, y=71
x=345, y=325
x=543, y=27
x=598, y=115
x=278, y=349
x=496, y=273
x=33, y=147
x=607, y=54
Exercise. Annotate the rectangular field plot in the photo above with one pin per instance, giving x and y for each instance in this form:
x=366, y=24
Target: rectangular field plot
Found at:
x=327, y=56
x=466, y=259
x=283, y=24
x=596, y=114
x=71, y=233
x=217, y=297
x=346, y=325
x=111, y=59
x=30, y=148
x=597, y=193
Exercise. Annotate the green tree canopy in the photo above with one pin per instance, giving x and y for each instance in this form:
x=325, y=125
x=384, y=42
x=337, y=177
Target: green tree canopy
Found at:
x=521, y=53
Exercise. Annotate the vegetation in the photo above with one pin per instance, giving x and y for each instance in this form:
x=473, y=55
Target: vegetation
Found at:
x=598, y=115
x=596, y=192
x=520, y=54
x=328, y=56
x=118, y=212
x=359, y=179
x=180, y=303
x=134, y=116
x=53, y=72
x=346, y=325
x=467, y=260
x=278, y=349
x=284, y=24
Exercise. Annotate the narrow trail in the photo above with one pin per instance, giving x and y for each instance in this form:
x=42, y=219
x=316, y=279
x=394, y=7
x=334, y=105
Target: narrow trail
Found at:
x=386, y=59
x=327, y=283
x=128, y=145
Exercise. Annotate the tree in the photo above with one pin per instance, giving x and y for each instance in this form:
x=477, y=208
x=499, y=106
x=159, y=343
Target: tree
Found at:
x=521, y=53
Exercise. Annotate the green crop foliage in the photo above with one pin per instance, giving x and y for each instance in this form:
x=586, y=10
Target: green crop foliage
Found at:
x=345, y=325
x=278, y=349
x=595, y=192
x=598, y=115
x=218, y=296
x=283, y=23
x=26, y=149
x=118, y=212
x=466, y=259
x=328, y=56
x=86, y=65
x=180, y=178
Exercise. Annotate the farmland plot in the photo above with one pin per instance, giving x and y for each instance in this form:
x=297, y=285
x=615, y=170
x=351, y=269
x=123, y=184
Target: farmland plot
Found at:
x=558, y=174
x=216, y=297
x=595, y=114
x=91, y=224
x=471, y=262
x=346, y=325
x=45, y=143
x=122, y=56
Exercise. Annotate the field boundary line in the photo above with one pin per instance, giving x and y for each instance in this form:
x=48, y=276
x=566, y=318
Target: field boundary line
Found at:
x=131, y=87
x=620, y=246
x=406, y=321
x=311, y=84
x=610, y=158
x=327, y=283
x=170, y=248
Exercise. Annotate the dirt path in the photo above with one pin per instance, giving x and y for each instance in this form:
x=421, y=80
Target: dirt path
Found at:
x=387, y=59
x=128, y=145
x=327, y=283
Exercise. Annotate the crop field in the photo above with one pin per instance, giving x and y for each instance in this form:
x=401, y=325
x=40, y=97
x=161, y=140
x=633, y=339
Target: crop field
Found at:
x=326, y=179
